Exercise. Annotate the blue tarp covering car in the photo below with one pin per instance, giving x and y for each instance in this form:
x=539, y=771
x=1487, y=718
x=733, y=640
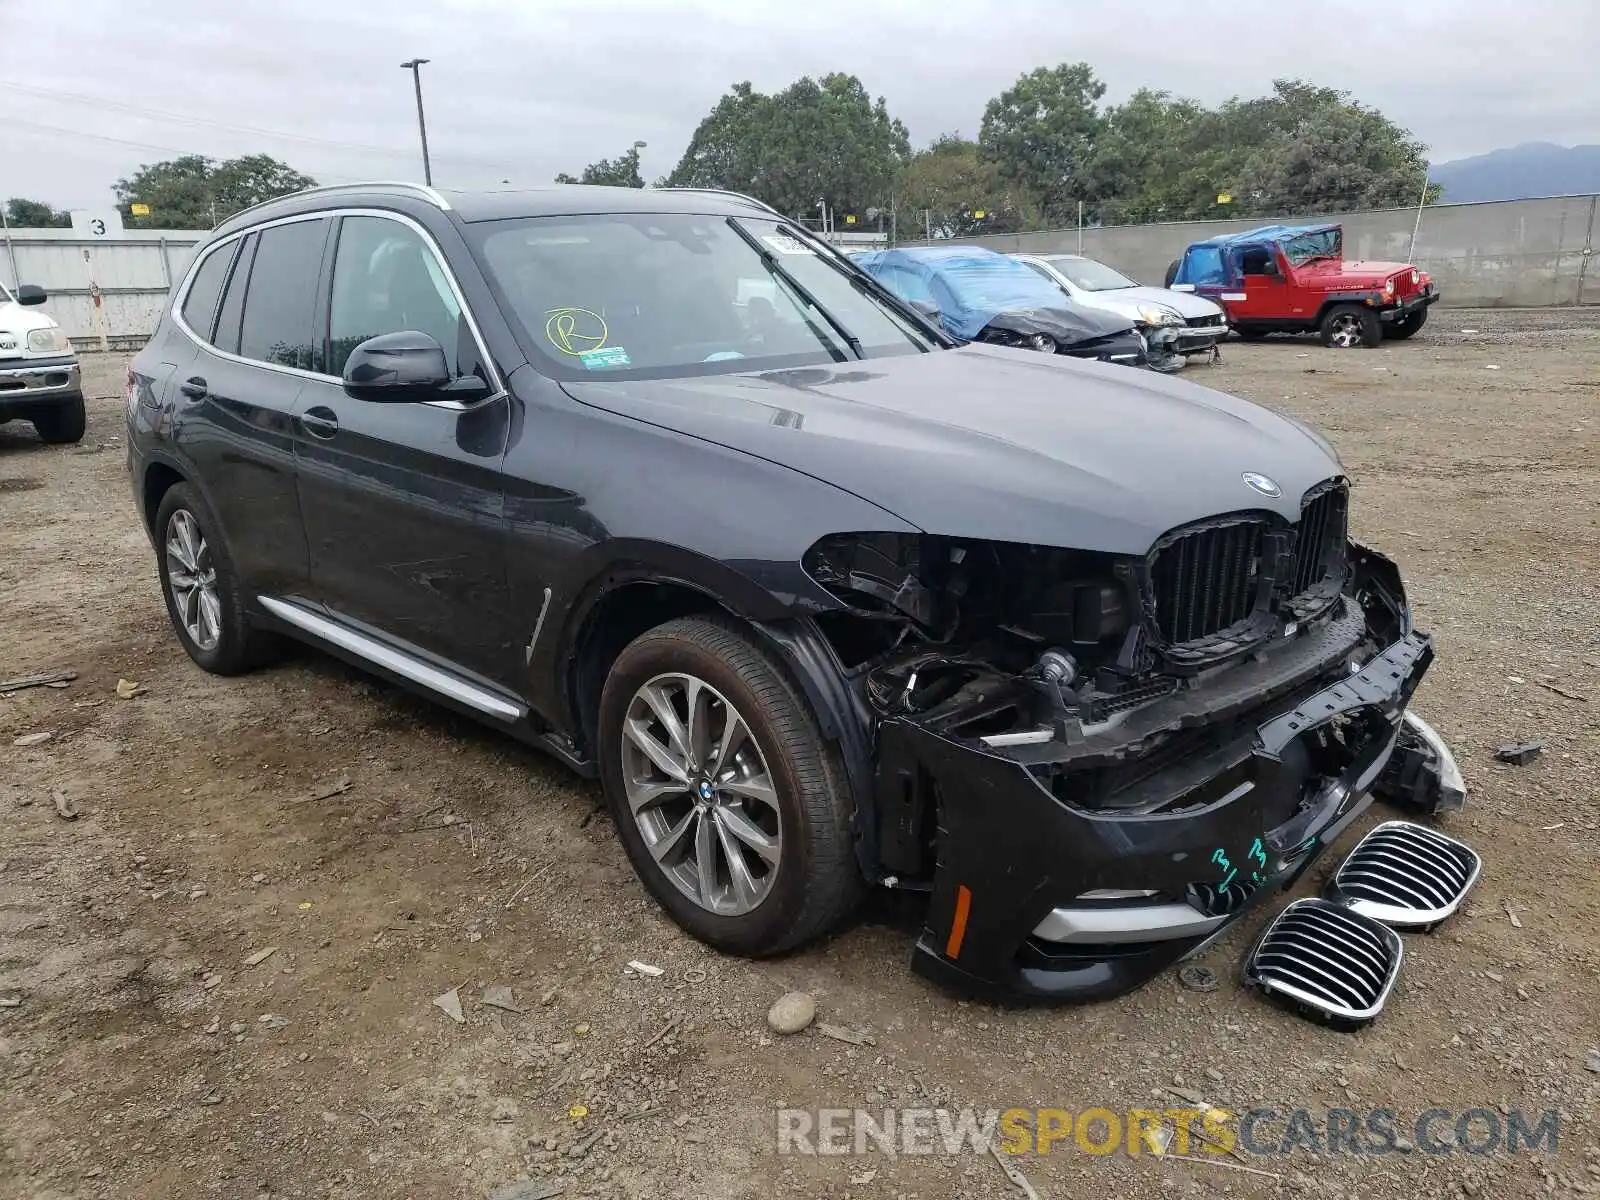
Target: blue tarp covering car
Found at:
x=982, y=295
x=969, y=284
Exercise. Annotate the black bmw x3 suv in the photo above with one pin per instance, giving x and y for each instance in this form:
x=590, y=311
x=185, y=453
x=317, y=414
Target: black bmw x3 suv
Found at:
x=658, y=482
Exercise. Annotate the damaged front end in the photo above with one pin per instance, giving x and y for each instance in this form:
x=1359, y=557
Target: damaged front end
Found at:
x=1074, y=334
x=1095, y=763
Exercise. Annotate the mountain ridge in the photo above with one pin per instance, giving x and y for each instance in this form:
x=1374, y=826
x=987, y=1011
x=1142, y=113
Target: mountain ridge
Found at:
x=1520, y=172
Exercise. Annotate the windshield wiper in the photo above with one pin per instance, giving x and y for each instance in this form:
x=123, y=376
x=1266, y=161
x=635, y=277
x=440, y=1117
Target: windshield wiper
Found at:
x=869, y=286
x=782, y=273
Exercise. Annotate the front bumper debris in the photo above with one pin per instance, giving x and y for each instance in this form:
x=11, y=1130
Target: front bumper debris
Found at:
x=1201, y=339
x=1036, y=897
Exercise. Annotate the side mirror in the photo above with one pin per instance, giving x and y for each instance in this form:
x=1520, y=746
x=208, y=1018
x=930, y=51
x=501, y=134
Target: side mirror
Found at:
x=30, y=293
x=397, y=368
x=927, y=308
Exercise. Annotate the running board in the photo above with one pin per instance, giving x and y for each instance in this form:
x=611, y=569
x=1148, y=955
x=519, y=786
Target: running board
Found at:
x=1326, y=961
x=397, y=662
x=1405, y=875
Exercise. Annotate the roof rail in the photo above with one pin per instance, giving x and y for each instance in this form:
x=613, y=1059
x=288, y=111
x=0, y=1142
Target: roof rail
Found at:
x=761, y=204
x=420, y=189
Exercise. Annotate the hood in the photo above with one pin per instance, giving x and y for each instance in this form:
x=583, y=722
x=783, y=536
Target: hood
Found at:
x=1068, y=324
x=986, y=442
x=1128, y=300
x=1357, y=272
x=15, y=318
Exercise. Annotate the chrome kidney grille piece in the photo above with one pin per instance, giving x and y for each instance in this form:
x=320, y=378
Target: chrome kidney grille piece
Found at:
x=1327, y=960
x=1405, y=875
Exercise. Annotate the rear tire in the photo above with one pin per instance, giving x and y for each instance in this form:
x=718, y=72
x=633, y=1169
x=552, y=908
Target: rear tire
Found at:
x=1172, y=273
x=759, y=774
x=1406, y=326
x=201, y=586
x=1345, y=326
x=1249, y=333
x=62, y=425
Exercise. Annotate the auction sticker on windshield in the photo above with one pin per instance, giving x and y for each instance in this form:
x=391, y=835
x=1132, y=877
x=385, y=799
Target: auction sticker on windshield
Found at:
x=604, y=356
x=784, y=244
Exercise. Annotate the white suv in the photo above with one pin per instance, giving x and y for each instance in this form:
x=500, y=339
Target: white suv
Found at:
x=39, y=377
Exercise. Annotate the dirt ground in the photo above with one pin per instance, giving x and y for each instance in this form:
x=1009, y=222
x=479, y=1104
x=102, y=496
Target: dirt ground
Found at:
x=141, y=1054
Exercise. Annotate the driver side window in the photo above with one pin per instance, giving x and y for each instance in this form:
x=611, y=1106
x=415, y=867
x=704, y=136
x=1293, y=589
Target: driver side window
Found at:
x=1258, y=260
x=386, y=279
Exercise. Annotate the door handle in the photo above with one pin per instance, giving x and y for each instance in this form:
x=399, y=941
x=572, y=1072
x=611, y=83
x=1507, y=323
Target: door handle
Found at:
x=320, y=422
x=194, y=387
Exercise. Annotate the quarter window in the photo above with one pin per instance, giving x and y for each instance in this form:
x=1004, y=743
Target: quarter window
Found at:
x=227, y=337
x=386, y=279
x=277, y=325
x=205, y=289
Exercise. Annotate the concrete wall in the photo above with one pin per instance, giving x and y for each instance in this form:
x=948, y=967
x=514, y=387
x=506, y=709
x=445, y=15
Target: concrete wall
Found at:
x=132, y=274
x=1514, y=252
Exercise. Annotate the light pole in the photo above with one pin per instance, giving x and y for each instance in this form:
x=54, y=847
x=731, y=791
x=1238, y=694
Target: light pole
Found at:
x=415, y=67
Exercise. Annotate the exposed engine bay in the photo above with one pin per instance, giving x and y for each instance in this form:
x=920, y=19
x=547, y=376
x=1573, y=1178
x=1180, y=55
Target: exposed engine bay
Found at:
x=1025, y=647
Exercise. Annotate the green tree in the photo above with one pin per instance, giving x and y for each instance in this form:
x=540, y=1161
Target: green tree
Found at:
x=195, y=192
x=1151, y=161
x=944, y=188
x=816, y=141
x=1327, y=153
x=622, y=171
x=1041, y=133
x=35, y=214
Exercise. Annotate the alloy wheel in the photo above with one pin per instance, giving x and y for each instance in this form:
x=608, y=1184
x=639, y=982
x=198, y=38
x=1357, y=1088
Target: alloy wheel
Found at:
x=701, y=794
x=1345, y=331
x=192, y=581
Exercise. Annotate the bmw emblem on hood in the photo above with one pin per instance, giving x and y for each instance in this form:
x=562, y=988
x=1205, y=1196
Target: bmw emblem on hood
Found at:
x=1263, y=484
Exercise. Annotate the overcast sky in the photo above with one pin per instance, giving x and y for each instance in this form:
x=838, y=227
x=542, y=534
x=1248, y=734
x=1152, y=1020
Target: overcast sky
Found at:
x=521, y=89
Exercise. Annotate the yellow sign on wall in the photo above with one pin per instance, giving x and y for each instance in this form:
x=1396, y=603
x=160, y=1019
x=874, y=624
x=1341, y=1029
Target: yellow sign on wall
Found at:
x=139, y=210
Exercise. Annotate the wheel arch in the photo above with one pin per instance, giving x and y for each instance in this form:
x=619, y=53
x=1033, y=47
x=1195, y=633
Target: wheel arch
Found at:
x=159, y=478
x=1359, y=299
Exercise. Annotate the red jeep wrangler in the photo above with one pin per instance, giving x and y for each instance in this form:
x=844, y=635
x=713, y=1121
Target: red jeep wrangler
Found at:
x=1293, y=279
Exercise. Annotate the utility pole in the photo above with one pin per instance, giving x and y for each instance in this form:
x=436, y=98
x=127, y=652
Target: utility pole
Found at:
x=415, y=67
x=11, y=248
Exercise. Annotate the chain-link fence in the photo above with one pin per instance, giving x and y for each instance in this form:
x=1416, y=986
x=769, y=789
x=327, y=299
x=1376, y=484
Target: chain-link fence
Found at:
x=1510, y=253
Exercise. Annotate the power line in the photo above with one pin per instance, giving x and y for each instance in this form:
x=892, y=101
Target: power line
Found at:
x=156, y=114
x=138, y=145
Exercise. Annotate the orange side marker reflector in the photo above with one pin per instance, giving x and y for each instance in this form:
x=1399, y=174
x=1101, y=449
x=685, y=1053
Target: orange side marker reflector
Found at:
x=958, y=927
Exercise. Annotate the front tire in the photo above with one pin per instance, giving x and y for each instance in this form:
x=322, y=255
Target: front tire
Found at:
x=204, y=597
x=63, y=425
x=1346, y=326
x=733, y=808
x=1249, y=333
x=1400, y=330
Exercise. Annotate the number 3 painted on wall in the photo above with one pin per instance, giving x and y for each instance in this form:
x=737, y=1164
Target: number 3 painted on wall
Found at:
x=97, y=227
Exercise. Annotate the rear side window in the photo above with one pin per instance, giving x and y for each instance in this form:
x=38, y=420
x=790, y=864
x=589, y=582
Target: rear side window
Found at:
x=227, y=337
x=279, y=304
x=200, y=304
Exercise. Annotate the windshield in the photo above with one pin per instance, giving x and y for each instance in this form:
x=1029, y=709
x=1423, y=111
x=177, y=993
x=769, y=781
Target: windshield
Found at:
x=651, y=295
x=1091, y=276
x=1301, y=250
